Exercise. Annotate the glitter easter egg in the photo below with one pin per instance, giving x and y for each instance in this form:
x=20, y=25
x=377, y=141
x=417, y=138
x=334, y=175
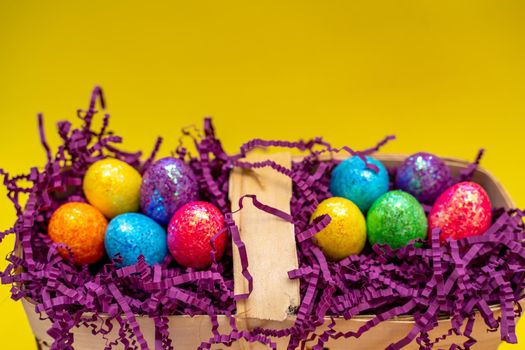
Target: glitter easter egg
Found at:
x=81, y=227
x=395, y=219
x=423, y=175
x=131, y=235
x=345, y=234
x=351, y=179
x=463, y=210
x=190, y=234
x=113, y=187
x=166, y=186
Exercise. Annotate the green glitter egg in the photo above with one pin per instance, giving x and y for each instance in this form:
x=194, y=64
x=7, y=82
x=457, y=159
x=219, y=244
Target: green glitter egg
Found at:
x=396, y=218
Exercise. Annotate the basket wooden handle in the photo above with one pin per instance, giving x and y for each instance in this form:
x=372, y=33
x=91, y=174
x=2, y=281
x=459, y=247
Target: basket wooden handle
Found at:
x=270, y=241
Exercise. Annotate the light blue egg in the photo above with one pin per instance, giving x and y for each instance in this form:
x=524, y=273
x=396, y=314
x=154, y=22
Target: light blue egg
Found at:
x=131, y=235
x=351, y=179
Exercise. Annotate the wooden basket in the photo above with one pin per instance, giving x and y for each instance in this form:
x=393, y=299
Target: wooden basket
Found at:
x=271, y=249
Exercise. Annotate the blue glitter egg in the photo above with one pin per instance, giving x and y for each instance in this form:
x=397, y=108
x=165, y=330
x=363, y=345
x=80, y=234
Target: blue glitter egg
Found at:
x=131, y=235
x=351, y=179
x=167, y=185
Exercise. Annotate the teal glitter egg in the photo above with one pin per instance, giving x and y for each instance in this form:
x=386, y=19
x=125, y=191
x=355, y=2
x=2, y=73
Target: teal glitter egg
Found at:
x=395, y=219
x=130, y=235
x=353, y=180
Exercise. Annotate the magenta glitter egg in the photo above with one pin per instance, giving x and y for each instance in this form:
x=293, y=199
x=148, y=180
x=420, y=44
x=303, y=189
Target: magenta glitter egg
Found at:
x=191, y=231
x=423, y=175
x=463, y=210
x=166, y=186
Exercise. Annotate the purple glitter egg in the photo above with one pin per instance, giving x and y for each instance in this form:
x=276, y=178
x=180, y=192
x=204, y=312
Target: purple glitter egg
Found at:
x=166, y=186
x=423, y=175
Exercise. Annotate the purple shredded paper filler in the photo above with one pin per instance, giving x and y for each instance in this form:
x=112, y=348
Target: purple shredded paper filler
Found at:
x=457, y=279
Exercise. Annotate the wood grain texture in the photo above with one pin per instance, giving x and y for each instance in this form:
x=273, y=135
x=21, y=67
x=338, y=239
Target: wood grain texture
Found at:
x=186, y=332
x=270, y=241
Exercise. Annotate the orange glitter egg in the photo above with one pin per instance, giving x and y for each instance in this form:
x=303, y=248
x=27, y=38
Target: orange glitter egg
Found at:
x=81, y=227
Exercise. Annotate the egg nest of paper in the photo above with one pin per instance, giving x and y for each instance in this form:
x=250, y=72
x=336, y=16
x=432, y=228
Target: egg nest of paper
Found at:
x=429, y=282
x=67, y=293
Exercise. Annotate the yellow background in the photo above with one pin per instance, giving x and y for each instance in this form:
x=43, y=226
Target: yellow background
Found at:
x=445, y=76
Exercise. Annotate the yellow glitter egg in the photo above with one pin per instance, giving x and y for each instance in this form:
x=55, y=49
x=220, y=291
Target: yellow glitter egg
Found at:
x=81, y=227
x=113, y=187
x=345, y=234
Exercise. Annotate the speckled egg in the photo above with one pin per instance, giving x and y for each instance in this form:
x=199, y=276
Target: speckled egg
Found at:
x=345, y=234
x=166, y=186
x=395, y=219
x=81, y=227
x=113, y=187
x=190, y=234
x=353, y=180
x=131, y=235
x=463, y=210
x=423, y=175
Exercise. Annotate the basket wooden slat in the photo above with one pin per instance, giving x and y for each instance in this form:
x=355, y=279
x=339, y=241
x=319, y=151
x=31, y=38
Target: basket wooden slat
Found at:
x=187, y=332
x=269, y=241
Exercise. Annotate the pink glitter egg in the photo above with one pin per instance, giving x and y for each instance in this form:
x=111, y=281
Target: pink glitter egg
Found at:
x=463, y=210
x=191, y=231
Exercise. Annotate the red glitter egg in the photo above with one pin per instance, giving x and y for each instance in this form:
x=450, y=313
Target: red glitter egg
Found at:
x=190, y=232
x=463, y=210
